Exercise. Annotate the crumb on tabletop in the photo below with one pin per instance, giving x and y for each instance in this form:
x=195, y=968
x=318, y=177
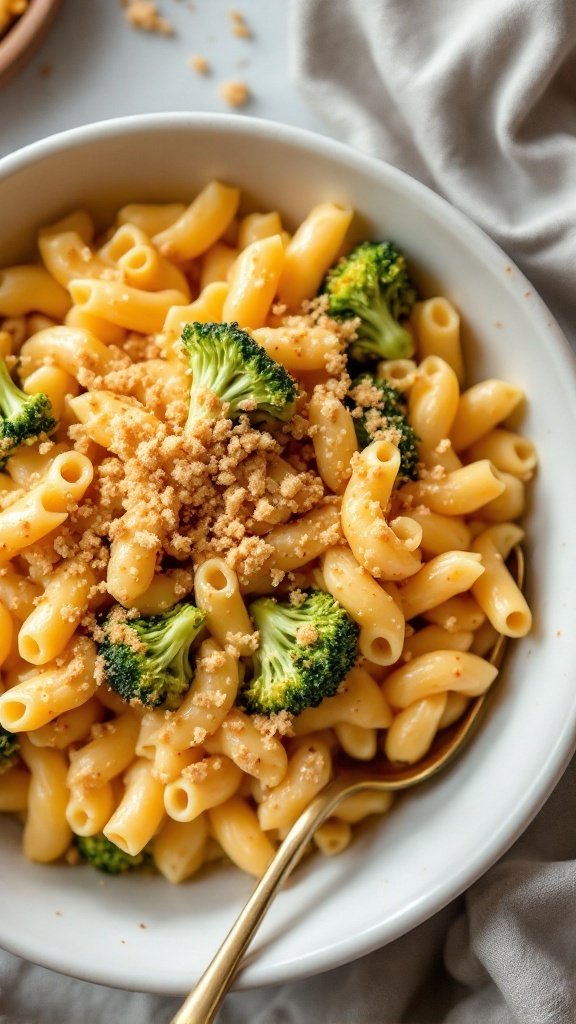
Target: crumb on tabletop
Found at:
x=144, y=15
x=198, y=63
x=240, y=26
x=235, y=93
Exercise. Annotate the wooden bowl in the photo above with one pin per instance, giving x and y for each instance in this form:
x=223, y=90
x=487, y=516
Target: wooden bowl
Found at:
x=25, y=36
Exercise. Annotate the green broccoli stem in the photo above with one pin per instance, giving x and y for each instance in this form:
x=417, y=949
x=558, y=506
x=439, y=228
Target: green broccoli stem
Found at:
x=12, y=398
x=170, y=639
x=389, y=340
x=229, y=392
x=275, y=619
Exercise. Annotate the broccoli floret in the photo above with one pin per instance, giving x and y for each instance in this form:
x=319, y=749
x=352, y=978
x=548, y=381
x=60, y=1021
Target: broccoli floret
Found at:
x=147, y=659
x=379, y=409
x=105, y=856
x=9, y=746
x=227, y=363
x=305, y=651
x=372, y=283
x=22, y=417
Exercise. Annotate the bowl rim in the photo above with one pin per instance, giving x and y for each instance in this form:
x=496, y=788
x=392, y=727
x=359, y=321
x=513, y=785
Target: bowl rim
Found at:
x=24, y=36
x=335, y=953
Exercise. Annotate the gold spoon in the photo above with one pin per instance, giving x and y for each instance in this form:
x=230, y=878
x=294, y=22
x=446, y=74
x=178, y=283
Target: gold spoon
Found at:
x=202, y=1005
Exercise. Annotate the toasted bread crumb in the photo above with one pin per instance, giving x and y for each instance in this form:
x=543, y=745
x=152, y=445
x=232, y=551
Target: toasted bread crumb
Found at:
x=144, y=15
x=199, y=64
x=240, y=27
x=235, y=93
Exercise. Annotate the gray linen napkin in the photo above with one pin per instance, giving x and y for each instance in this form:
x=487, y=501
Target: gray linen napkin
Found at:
x=477, y=98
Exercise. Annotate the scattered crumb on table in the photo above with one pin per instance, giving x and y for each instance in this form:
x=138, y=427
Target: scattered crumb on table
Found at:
x=144, y=15
x=234, y=93
x=240, y=26
x=199, y=64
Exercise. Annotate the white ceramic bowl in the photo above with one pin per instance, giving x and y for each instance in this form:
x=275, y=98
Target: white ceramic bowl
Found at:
x=440, y=838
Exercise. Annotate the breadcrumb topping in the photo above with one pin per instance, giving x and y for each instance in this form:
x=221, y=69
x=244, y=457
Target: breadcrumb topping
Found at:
x=278, y=723
x=306, y=635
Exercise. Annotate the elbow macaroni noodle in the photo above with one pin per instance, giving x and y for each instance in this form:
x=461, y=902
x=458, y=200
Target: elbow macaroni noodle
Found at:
x=420, y=566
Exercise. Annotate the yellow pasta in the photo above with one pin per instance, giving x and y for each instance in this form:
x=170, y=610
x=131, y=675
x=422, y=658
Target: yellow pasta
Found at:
x=440, y=579
x=311, y=250
x=54, y=382
x=457, y=613
x=297, y=349
x=308, y=771
x=123, y=305
x=359, y=702
x=46, y=832
x=206, y=784
x=460, y=492
x=334, y=439
x=509, y=452
x=132, y=563
x=71, y=348
x=89, y=808
x=67, y=256
x=433, y=401
x=388, y=550
x=70, y=727
x=14, y=786
x=201, y=224
x=411, y=734
x=151, y=218
x=258, y=755
x=236, y=827
x=357, y=741
x=333, y=837
x=481, y=408
x=103, y=330
x=18, y=593
x=437, y=672
x=140, y=811
x=47, y=630
x=441, y=533
x=255, y=226
x=42, y=696
x=208, y=701
x=206, y=308
x=253, y=282
x=27, y=289
x=217, y=592
x=437, y=325
x=179, y=848
x=104, y=414
x=499, y=596
x=217, y=264
x=107, y=755
x=6, y=633
x=46, y=505
x=143, y=501
x=144, y=267
x=371, y=605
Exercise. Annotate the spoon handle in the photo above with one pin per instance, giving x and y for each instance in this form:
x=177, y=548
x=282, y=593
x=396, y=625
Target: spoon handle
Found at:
x=202, y=1005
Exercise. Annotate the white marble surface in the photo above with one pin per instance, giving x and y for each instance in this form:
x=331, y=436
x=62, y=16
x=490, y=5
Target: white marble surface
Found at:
x=93, y=65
